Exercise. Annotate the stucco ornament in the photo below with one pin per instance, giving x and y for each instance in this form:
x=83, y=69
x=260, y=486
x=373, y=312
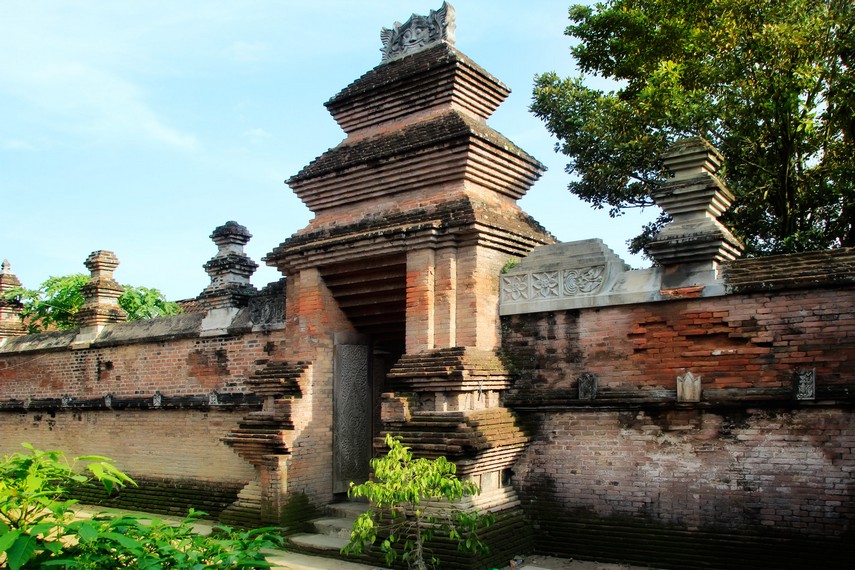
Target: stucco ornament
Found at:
x=418, y=33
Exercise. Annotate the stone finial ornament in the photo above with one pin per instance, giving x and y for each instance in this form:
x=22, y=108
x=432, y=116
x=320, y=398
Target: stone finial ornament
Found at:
x=694, y=197
x=231, y=268
x=418, y=33
x=8, y=280
x=10, y=310
x=101, y=294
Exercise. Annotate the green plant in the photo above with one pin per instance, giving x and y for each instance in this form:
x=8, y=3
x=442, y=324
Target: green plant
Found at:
x=399, y=488
x=510, y=264
x=128, y=541
x=38, y=527
x=33, y=509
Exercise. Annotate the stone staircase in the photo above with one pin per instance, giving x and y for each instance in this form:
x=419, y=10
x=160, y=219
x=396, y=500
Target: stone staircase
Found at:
x=330, y=532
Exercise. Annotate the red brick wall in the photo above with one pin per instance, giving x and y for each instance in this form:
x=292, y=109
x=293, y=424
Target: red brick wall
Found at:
x=738, y=341
x=748, y=477
x=176, y=450
x=180, y=367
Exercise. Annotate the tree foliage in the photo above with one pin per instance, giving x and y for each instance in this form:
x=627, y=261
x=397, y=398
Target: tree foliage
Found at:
x=769, y=82
x=54, y=304
x=39, y=529
x=398, y=492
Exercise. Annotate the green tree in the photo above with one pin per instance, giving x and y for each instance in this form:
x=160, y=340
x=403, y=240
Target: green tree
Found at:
x=769, y=82
x=56, y=302
x=405, y=525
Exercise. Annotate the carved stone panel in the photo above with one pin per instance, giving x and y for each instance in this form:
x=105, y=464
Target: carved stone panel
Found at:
x=545, y=284
x=587, y=387
x=514, y=288
x=351, y=415
x=805, y=383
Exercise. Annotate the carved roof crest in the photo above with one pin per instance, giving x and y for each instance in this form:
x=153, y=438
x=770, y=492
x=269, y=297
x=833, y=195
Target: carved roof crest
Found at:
x=418, y=33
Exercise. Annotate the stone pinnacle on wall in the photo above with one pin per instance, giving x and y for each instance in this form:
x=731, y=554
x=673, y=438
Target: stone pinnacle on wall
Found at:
x=230, y=269
x=694, y=197
x=101, y=294
x=10, y=310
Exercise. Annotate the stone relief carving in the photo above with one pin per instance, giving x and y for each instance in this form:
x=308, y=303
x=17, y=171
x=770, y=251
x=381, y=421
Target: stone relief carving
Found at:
x=587, y=387
x=688, y=387
x=583, y=281
x=352, y=424
x=805, y=384
x=515, y=287
x=545, y=284
x=551, y=284
x=417, y=33
x=265, y=310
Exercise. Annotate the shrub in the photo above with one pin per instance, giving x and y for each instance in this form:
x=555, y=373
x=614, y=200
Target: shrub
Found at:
x=38, y=528
x=400, y=485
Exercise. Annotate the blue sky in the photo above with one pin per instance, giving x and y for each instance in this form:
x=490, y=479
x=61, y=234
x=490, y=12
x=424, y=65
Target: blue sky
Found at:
x=139, y=127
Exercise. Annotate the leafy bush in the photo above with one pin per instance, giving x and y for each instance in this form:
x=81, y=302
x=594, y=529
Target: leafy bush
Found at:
x=38, y=527
x=399, y=486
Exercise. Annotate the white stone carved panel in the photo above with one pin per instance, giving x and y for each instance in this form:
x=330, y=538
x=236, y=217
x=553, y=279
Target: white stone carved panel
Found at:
x=515, y=288
x=583, y=281
x=544, y=285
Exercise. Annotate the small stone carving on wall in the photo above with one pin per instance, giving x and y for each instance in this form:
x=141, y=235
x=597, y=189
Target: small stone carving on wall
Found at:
x=587, y=387
x=688, y=387
x=266, y=310
x=805, y=383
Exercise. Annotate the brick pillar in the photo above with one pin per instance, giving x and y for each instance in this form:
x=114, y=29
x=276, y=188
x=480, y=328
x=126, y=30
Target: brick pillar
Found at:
x=10, y=310
x=313, y=320
x=421, y=271
x=445, y=308
x=101, y=296
x=477, y=286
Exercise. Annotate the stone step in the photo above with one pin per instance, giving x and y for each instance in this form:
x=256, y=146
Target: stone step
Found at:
x=339, y=527
x=347, y=509
x=332, y=531
x=320, y=543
